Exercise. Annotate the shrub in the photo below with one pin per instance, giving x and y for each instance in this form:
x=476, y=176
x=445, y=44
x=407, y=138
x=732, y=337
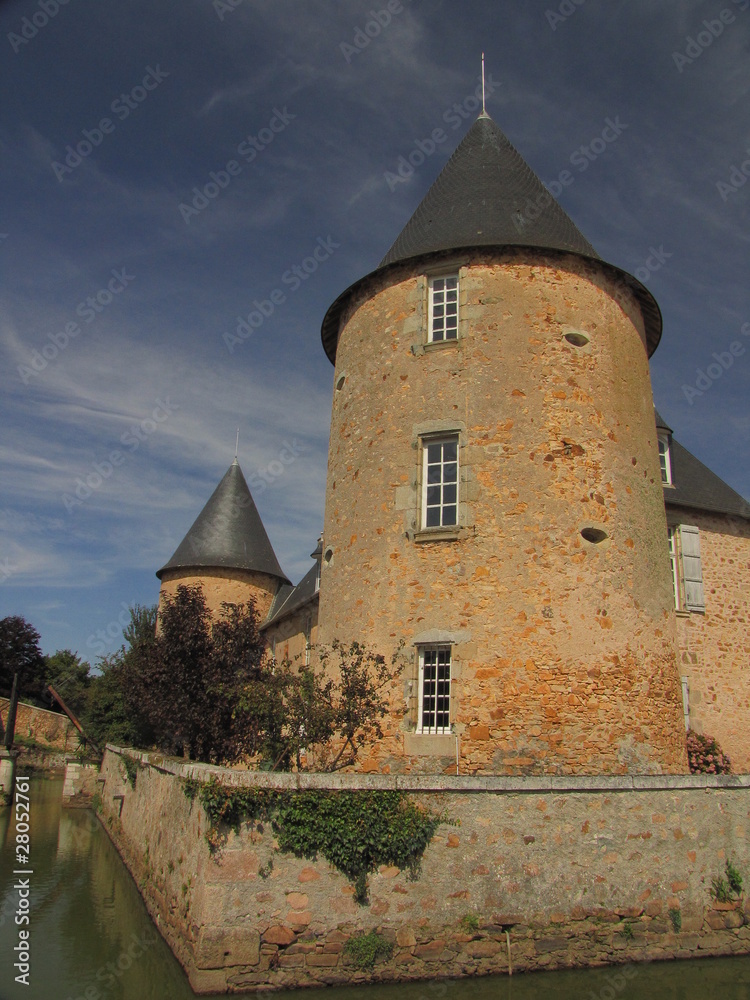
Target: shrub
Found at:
x=705, y=756
x=366, y=949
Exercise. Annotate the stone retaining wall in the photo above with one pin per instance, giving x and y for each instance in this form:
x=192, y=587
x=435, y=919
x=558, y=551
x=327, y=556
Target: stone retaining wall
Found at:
x=557, y=872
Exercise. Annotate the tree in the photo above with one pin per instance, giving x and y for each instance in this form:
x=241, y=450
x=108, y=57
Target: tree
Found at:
x=189, y=677
x=111, y=713
x=69, y=676
x=20, y=652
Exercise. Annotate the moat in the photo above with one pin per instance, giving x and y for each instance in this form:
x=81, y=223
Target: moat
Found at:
x=91, y=937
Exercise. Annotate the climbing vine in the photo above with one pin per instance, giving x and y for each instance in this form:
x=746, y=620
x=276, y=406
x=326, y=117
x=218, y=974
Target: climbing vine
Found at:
x=355, y=831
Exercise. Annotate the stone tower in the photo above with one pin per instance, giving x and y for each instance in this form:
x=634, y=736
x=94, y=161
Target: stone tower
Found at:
x=494, y=496
x=227, y=551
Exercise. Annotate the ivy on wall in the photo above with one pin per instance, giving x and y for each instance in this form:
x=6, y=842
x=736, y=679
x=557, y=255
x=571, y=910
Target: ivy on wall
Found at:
x=355, y=831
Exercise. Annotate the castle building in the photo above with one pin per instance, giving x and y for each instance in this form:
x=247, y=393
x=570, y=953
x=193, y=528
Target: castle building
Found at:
x=500, y=499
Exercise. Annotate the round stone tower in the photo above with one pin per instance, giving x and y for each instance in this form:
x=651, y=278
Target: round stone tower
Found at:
x=494, y=497
x=227, y=551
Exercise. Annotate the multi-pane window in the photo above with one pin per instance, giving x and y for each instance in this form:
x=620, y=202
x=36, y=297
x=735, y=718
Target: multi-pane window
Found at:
x=440, y=482
x=434, y=689
x=665, y=460
x=443, y=309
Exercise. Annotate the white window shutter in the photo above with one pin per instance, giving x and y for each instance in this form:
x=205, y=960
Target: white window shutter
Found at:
x=692, y=572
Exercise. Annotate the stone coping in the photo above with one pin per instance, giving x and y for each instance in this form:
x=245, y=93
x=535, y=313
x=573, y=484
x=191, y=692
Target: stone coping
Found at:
x=435, y=782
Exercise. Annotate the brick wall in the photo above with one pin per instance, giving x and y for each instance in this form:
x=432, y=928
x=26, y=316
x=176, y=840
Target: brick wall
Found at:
x=578, y=872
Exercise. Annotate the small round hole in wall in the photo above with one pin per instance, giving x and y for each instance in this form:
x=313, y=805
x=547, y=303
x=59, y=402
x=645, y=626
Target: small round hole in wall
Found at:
x=594, y=535
x=340, y=382
x=577, y=339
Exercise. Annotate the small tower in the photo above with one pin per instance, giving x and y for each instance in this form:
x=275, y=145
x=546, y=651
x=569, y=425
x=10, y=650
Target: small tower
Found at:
x=494, y=496
x=227, y=551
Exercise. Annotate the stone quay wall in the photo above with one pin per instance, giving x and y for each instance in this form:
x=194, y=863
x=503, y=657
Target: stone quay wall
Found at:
x=549, y=872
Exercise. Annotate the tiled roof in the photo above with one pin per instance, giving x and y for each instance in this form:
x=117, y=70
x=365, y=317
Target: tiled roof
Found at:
x=487, y=195
x=228, y=533
x=697, y=487
x=289, y=599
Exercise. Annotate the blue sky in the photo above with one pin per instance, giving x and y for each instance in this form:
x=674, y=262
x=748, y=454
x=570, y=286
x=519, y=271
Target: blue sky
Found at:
x=120, y=280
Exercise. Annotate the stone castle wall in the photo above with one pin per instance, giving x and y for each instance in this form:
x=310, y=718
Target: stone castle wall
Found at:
x=563, y=650
x=49, y=729
x=233, y=586
x=288, y=638
x=558, y=872
x=715, y=647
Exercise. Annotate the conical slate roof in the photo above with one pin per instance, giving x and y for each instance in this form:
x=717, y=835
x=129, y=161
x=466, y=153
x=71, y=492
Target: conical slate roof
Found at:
x=487, y=195
x=228, y=533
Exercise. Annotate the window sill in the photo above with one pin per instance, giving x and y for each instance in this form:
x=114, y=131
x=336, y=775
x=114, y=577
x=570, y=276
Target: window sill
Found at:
x=439, y=345
x=451, y=534
x=430, y=744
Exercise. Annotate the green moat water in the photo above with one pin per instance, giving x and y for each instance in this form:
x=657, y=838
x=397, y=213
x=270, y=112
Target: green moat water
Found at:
x=92, y=939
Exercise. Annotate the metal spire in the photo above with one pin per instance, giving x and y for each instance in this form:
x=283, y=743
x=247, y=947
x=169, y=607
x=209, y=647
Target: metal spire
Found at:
x=484, y=109
x=237, y=446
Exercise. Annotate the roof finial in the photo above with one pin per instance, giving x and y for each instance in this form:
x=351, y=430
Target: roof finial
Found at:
x=237, y=447
x=484, y=109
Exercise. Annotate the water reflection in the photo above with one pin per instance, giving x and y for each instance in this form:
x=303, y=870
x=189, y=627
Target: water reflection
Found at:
x=92, y=938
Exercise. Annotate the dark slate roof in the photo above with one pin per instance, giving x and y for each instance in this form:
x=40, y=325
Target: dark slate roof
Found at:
x=697, y=487
x=482, y=198
x=485, y=196
x=289, y=599
x=228, y=533
x=661, y=423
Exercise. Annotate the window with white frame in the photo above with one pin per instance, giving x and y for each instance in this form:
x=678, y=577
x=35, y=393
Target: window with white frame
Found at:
x=665, y=460
x=434, y=711
x=687, y=570
x=440, y=482
x=443, y=318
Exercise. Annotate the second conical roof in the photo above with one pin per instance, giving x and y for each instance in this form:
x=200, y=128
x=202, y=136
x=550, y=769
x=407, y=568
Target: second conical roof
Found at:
x=228, y=533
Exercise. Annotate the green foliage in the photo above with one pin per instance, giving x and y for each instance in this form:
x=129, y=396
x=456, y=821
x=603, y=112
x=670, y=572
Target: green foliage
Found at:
x=733, y=878
x=21, y=653
x=132, y=767
x=366, y=949
x=355, y=831
x=108, y=717
x=470, y=923
x=69, y=676
x=676, y=917
x=627, y=932
x=720, y=890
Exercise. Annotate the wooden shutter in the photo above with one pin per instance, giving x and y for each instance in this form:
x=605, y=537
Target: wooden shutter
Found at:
x=692, y=572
